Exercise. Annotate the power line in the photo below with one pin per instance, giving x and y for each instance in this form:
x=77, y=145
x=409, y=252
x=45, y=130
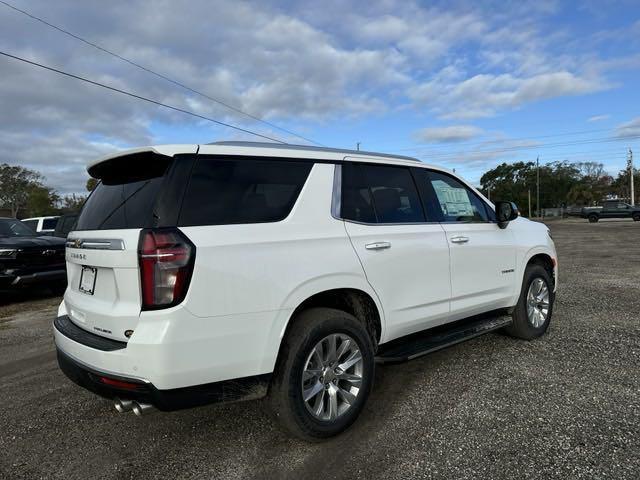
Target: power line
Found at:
x=485, y=142
x=527, y=147
x=139, y=97
x=159, y=75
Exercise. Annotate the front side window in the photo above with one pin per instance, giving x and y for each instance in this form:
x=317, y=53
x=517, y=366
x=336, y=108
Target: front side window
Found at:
x=379, y=194
x=32, y=224
x=233, y=191
x=456, y=201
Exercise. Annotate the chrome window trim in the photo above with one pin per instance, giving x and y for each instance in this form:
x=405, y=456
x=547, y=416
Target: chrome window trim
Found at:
x=95, y=243
x=336, y=195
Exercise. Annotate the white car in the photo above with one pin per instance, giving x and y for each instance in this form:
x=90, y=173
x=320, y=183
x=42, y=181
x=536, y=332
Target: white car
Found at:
x=42, y=225
x=201, y=273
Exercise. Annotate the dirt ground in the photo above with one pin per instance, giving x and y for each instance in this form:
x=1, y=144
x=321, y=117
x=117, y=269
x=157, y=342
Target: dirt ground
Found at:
x=565, y=406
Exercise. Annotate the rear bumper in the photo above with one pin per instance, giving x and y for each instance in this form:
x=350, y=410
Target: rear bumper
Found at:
x=106, y=383
x=20, y=280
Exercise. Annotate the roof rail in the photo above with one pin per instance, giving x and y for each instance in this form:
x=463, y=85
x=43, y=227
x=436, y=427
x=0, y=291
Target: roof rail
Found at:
x=290, y=146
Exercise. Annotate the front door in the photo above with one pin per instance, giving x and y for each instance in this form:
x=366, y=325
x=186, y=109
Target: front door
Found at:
x=482, y=255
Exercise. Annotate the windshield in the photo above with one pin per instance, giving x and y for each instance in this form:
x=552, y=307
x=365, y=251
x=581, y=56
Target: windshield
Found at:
x=14, y=228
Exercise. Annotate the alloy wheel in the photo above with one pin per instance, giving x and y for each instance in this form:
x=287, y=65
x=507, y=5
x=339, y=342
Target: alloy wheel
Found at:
x=332, y=377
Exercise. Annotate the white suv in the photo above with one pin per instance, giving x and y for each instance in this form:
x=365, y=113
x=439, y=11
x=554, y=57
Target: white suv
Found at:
x=202, y=273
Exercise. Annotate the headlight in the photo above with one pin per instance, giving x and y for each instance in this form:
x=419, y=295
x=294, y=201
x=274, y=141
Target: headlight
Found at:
x=549, y=233
x=8, y=253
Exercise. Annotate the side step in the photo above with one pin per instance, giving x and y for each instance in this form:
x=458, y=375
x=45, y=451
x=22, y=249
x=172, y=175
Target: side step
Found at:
x=428, y=341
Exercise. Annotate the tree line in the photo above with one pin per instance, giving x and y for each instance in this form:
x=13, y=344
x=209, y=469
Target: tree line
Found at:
x=562, y=184
x=23, y=194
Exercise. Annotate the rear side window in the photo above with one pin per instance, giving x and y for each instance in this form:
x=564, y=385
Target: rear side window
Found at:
x=379, y=194
x=49, y=223
x=233, y=191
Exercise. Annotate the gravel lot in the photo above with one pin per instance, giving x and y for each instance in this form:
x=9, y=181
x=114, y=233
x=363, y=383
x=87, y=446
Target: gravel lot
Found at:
x=565, y=406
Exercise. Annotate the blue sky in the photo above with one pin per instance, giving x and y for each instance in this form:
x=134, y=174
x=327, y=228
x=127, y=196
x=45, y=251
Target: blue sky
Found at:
x=466, y=85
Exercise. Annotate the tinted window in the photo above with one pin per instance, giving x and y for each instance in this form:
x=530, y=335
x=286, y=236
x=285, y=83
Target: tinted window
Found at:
x=123, y=205
x=32, y=224
x=379, y=194
x=225, y=191
x=15, y=228
x=457, y=203
x=49, y=223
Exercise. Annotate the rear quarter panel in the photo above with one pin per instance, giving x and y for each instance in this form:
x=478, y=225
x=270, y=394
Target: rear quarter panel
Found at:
x=271, y=268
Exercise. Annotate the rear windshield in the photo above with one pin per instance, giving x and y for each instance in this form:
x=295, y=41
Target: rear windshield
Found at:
x=126, y=194
x=125, y=205
x=226, y=191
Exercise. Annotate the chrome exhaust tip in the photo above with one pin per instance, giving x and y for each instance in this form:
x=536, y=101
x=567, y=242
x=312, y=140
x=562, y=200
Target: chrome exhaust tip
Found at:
x=142, y=408
x=123, y=405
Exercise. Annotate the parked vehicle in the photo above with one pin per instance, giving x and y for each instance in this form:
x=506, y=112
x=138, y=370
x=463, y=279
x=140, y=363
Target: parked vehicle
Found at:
x=42, y=225
x=611, y=209
x=65, y=224
x=27, y=258
x=201, y=273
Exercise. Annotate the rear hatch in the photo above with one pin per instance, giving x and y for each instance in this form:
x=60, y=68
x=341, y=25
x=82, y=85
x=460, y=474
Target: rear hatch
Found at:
x=104, y=292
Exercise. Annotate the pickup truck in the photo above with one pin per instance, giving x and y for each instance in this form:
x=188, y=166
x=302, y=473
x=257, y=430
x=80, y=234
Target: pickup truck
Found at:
x=611, y=209
x=28, y=258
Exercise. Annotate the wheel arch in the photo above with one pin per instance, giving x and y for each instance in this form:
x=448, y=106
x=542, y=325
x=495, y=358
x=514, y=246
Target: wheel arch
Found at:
x=354, y=301
x=546, y=261
x=360, y=302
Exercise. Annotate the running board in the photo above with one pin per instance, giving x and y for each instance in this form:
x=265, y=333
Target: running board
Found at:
x=423, y=343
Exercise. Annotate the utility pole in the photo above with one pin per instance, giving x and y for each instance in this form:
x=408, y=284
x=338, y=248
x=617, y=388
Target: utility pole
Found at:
x=538, y=186
x=489, y=192
x=358, y=146
x=529, y=203
x=630, y=166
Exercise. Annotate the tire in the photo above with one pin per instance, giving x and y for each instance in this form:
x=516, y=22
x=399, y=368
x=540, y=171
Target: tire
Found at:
x=523, y=326
x=285, y=397
x=636, y=217
x=593, y=218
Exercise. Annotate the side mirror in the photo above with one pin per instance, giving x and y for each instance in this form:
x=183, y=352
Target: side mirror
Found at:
x=505, y=212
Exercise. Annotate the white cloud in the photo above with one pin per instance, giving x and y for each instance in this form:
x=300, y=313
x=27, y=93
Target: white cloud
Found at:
x=451, y=133
x=485, y=95
x=628, y=129
x=598, y=118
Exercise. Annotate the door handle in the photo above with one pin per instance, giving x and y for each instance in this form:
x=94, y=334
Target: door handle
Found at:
x=459, y=239
x=377, y=245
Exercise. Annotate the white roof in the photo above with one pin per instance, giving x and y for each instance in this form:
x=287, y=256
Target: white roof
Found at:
x=270, y=150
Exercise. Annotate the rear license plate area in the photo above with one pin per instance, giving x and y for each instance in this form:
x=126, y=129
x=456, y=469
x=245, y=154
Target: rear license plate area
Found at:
x=88, y=280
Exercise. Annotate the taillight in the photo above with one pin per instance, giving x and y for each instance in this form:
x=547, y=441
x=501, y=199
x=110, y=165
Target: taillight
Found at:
x=166, y=262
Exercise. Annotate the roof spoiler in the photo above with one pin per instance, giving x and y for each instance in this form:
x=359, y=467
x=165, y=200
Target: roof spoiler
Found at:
x=137, y=160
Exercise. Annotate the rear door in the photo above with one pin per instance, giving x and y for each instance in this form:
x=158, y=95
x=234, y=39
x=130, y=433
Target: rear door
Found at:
x=405, y=257
x=103, y=294
x=482, y=255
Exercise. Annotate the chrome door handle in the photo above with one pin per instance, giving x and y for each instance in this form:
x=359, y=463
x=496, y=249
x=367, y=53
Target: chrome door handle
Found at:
x=459, y=239
x=377, y=245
